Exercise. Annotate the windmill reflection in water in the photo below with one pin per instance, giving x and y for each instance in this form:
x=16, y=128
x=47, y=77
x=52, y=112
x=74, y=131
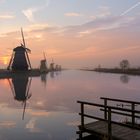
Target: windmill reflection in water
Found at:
x=20, y=87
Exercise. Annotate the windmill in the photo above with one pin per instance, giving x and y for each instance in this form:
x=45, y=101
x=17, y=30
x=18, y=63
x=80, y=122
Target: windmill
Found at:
x=43, y=64
x=52, y=66
x=19, y=59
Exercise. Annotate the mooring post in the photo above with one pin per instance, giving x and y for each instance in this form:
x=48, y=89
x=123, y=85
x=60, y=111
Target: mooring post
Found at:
x=109, y=124
x=80, y=135
x=133, y=113
x=105, y=112
x=82, y=115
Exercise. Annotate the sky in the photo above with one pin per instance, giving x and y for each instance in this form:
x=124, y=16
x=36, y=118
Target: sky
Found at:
x=72, y=33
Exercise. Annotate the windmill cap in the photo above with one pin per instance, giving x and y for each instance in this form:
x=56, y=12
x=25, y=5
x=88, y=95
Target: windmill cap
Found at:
x=19, y=48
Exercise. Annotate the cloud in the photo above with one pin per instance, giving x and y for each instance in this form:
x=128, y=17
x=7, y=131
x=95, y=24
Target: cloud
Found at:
x=130, y=9
x=6, y=16
x=38, y=26
x=81, y=30
x=100, y=24
x=96, y=25
x=29, y=13
x=83, y=33
x=102, y=12
x=73, y=14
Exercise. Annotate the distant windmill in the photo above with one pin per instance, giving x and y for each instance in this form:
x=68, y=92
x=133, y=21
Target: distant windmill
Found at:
x=52, y=66
x=43, y=64
x=20, y=59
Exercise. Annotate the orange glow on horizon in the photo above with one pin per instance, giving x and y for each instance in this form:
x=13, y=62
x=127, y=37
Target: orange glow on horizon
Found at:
x=5, y=60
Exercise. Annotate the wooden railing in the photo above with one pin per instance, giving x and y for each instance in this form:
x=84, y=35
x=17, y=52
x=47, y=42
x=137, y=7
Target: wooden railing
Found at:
x=132, y=105
x=108, y=111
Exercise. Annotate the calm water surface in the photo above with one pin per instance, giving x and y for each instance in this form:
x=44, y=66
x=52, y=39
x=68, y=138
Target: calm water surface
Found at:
x=45, y=107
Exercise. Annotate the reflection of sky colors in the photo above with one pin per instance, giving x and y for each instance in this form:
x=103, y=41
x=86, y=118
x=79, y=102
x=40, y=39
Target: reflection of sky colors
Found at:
x=52, y=111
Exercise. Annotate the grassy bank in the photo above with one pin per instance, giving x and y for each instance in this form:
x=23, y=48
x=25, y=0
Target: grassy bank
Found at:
x=131, y=71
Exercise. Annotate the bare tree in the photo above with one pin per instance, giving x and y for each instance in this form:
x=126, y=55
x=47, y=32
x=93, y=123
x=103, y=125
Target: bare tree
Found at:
x=124, y=64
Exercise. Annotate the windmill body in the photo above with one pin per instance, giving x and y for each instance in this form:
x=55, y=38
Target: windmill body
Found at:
x=19, y=60
x=43, y=66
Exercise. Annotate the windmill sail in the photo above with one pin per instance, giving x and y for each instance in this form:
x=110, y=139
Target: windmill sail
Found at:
x=26, y=49
x=23, y=38
x=44, y=55
x=8, y=68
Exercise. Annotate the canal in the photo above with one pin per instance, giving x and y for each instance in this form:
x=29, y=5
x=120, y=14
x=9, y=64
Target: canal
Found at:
x=45, y=107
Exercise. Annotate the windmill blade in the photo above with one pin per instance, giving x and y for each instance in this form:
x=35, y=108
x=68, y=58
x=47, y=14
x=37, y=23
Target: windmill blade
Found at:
x=28, y=60
x=28, y=50
x=44, y=55
x=23, y=38
x=8, y=68
x=24, y=45
x=52, y=61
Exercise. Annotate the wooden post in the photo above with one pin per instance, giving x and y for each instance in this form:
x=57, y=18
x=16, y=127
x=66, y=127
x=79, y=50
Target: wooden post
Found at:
x=80, y=135
x=82, y=115
x=133, y=113
x=105, y=112
x=109, y=124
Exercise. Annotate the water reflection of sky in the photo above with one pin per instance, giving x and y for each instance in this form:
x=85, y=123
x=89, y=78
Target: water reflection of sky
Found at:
x=52, y=112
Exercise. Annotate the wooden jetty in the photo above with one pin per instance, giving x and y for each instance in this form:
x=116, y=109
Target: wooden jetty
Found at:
x=106, y=128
